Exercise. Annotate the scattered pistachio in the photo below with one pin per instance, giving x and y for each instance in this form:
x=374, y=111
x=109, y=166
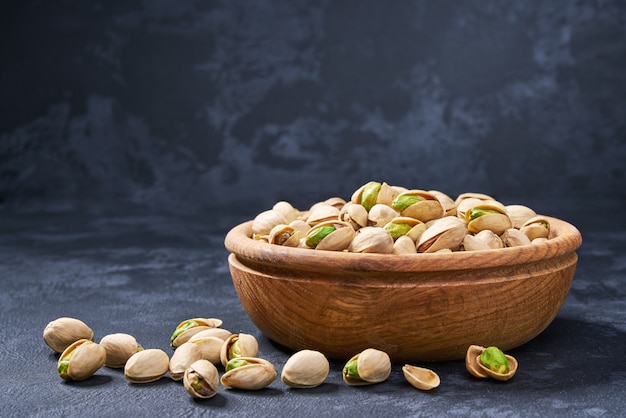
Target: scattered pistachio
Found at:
x=62, y=332
x=368, y=367
x=201, y=379
x=248, y=373
x=420, y=377
x=119, y=348
x=81, y=360
x=305, y=369
x=146, y=366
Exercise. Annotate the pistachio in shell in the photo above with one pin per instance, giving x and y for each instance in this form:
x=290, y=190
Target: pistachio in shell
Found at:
x=62, y=332
x=368, y=367
x=484, y=240
x=490, y=362
x=420, y=377
x=263, y=223
x=380, y=215
x=519, y=214
x=322, y=212
x=404, y=245
x=119, y=348
x=286, y=235
x=182, y=358
x=146, y=366
x=287, y=210
x=186, y=329
x=443, y=233
x=330, y=236
x=419, y=204
x=249, y=373
x=81, y=360
x=210, y=347
x=536, y=227
x=238, y=345
x=491, y=216
x=305, y=369
x=372, y=240
x=354, y=214
x=514, y=238
x=201, y=379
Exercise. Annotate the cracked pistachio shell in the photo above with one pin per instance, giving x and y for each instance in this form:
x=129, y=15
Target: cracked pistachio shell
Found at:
x=502, y=376
x=305, y=369
x=443, y=233
x=472, y=195
x=220, y=333
x=380, y=215
x=489, y=216
x=471, y=361
x=119, y=348
x=335, y=236
x=419, y=204
x=182, y=358
x=201, y=379
x=372, y=240
x=404, y=225
x=211, y=347
x=484, y=240
x=354, y=214
x=404, y=245
x=146, y=366
x=335, y=201
x=263, y=223
x=190, y=327
x=249, y=373
x=238, y=345
x=287, y=210
x=285, y=235
x=81, y=360
x=420, y=377
x=373, y=193
x=446, y=201
x=321, y=213
x=372, y=366
x=514, y=238
x=463, y=205
x=536, y=227
x=62, y=332
x=519, y=214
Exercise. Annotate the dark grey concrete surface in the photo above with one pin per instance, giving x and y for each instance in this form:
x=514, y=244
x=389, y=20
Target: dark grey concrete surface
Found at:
x=143, y=273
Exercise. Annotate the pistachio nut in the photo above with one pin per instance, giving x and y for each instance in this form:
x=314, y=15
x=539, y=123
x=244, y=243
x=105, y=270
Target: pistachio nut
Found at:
x=182, y=358
x=248, y=373
x=354, y=214
x=335, y=201
x=491, y=216
x=305, y=369
x=484, y=240
x=286, y=235
x=372, y=193
x=446, y=201
x=380, y=215
x=220, y=333
x=490, y=362
x=201, y=379
x=443, y=233
x=190, y=327
x=322, y=213
x=210, y=347
x=519, y=214
x=368, y=367
x=263, y=223
x=287, y=210
x=372, y=240
x=404, y=225
x=119, y=347
x=146, y=366
x=62, y=332
x=404, y=245
x=81, y=360
x=514, y=237
x=238, y=345
x=418, y=204
x=466, y=201
x=330, y=236
x=420, y=377
x=536, y=227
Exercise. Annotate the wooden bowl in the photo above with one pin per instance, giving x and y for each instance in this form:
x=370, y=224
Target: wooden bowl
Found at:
x=416, y=307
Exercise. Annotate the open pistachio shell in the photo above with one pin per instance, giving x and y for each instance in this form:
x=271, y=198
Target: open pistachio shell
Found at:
x=419, y=204
x=210, y=347
x=190, y=327
x=519, y=214
x=354, y=214
x=220, y=333
x=146, y=366
x=201, y=379
x=500, y=376
x=420, y=377
x=305, y=369
x=62, y=332
x=81, y=360
x=322, y=213
x=472, y=360
x=514, y=237
x=488, y=216
x=372, y=240
x=446, y=201
x=368, y=367
x=119, y=348
x=287, y=210
x=265, y=221
x=249, y=373
x=285, y=235
x=182, y=358
x=373, y=193
x=330, y=236
x=238, y=345
x=444, y=233
x=484, y=240
x=380, y=215
x=536, y=227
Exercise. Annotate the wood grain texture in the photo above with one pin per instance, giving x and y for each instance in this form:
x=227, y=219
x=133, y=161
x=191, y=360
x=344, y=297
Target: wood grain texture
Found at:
x=422, y=307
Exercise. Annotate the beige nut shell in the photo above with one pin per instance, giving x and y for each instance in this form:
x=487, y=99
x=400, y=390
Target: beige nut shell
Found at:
x=146, y=366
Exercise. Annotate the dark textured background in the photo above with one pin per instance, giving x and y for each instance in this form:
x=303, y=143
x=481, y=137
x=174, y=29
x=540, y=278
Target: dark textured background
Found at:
x=187, y=105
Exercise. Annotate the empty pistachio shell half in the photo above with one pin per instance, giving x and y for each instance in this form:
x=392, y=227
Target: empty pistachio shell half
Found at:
x=305, y=369
x=81, y=360
x=190, y=327
x=182, y=358
x=119, y=348
x=248, y=373
x=238, y=345
x=62, y=332
x=146, y=366
x=201, y=379
x=366, y=368
x=420, y=377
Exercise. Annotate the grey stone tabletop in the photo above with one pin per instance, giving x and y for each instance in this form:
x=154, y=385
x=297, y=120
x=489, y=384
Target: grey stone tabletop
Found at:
x=134, y=135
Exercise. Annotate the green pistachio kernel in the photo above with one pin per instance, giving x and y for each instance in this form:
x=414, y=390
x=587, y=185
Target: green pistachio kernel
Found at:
x=64, y=364
x=234, y=351
x=404, y=201
x=478, y=212
x=350, y=369
x=370, y=194
x=316, y=235
x=234, y=363
x=396, y=230
x=181, y=329
x=494, y=359
x=197, y=383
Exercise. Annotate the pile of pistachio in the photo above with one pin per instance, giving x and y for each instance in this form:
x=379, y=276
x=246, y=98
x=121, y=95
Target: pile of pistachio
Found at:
x=380, y=218
x=203, y=350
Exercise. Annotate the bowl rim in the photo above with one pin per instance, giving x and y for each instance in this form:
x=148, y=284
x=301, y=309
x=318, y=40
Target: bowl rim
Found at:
x=566, y=239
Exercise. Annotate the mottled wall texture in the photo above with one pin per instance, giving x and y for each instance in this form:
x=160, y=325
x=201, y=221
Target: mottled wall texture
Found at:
x=187, y=105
